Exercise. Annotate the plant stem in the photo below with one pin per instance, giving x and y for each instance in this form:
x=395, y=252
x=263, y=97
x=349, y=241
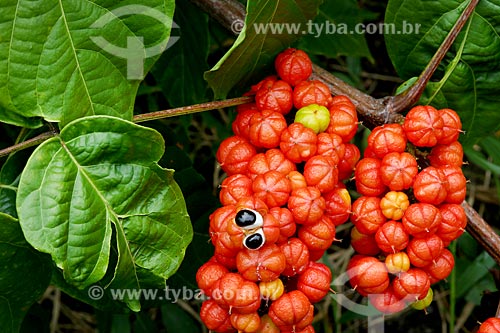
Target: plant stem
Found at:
x=412, y=95
x=191, y=109
x=28, y=143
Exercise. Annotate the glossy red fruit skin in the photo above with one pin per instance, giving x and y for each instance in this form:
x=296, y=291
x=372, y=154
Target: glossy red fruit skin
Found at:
x=311, y=92
x=364, y=244
x=266, y=128
x=292, y=311
x=219, y=220
x=267, y=81
x=387, y=302
x=296, y=255
x=368, y=177
x=298, y=143
x=367, y=275
x=321, y=172
x=387, y=139
x=236, y=293
x=343, y=118
x=412, y=285
x=367, y=215
x=490, y=325
x=452, y=126
x=287, y=224
x=234, y=154
x=234, y=188
x=215, y=317
x=275, y=96
x=398, y=170
x=208, y=274
x=338, y=205
x=423, y=126
x=391, y=237
x=272, y=187
x=348, y=161
x=430, y=186
x=241, y=124
x=264, y=264
x=330, y=144
x=421, y=219
x=318, y=236
x=441, y=267
x=306, y=205
x=453, y=222
x=455, y=184
x=271, y=159
x=293, y=66
x=315, y=281
x=447, y=155
x=423, y=251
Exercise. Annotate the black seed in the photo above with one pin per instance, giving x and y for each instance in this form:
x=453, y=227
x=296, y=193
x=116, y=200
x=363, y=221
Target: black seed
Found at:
x=254, y=241
x=245, y=218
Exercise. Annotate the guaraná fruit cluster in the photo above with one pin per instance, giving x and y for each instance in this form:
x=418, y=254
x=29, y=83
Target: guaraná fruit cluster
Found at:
x=411, y=186
x=281, y=202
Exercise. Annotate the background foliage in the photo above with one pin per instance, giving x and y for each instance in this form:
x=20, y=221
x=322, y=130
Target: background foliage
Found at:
x=52, y=77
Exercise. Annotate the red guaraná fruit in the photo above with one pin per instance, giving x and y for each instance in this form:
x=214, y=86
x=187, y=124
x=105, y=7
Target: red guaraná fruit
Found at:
x=321, y=172
x=266, y=128
x=367, y=275
x=430, y=186
x=318, y=236
x=287, y=224
x=447, y=155
x=234, y=154
x=421, y=219
x=490, y=325
x=275, y=96
x=315, y=281
x=292, y=311
x=441, y=267
x=338, y=205
x=293, y=66
x=241, y=124
x=367, y=215
x=307, y=205
x=311, y=92
x=453, y=222
x=411, y=285
x=452, y=126
x=423, y=251
x=236, y=293
x=387, y=139
x=208, y=274
x=348, y=161
x=296, y=256
x=398, y=170
x=423, y=126
x=387, y=302
x=368, y=177
x=215, y=317
x=455, y=184
x=272, y=159
x=298, y=143
x=330, y=144
x=364, y=244
x=272, y=187
x=234, y=188
x=264, y=264
x=391, y=237
x=343, y=118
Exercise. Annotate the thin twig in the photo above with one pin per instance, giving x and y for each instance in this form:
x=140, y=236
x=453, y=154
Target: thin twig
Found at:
x=28, y=143
x=411, y=96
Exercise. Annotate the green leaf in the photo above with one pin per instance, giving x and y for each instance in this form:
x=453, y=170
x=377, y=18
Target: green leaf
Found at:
x=101, y=173
x=177, y=320
x=24, y=274
x=66, y=59
x=469, y=273
x=256, y=46
x=468, y=76
x=179, y=71
x=330, y=34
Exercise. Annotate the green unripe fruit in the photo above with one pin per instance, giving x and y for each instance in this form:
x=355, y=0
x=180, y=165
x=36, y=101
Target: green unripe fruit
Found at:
x=313, y=116
x=424, y=302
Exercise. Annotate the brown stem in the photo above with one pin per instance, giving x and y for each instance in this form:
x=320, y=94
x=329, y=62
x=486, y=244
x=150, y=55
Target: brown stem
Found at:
x=403, y=101
x=226, y=12
x=183, y=110
x=28, y=143
x=380, y=111
x=482, y=232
